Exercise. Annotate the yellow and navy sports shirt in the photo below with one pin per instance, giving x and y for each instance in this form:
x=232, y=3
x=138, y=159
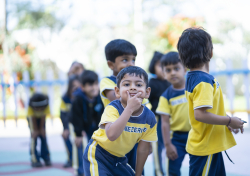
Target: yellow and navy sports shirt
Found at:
x=142, y=127
x=38, y=114
x=173, y=102
x=203, y=90
x=109, y=83
x=65, y=104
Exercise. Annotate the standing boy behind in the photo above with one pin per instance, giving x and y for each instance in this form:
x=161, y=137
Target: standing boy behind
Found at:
x=85, y=112
x=37, y=111
x=124, y=123
x=173, y=108
x=119, y=54
x=211, y=127
x=158, y=85
x=73, y=84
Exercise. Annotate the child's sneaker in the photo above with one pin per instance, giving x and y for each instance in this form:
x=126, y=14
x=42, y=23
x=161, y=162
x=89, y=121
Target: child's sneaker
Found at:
x=36, y=164
x=48, y=163
x=67, y=164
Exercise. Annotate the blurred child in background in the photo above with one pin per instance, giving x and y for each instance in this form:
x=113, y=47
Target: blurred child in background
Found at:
x=76, y=68
x=158, y=85
x=73, y=84
x=37, y=111
x=86, y=112
x=173, y=108
x=119, y=54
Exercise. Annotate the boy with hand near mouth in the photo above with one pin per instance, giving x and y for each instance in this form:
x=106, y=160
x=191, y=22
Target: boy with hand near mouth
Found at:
x=124, y=123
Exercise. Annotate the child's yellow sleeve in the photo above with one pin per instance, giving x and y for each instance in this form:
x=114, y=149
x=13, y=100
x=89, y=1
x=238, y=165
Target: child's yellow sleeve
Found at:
x=30, y=112
x=106, y=84
x=163, y=106
x=203, y=95
x=109, y=115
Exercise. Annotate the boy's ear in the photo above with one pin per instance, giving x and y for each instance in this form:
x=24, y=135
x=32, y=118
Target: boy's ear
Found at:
x=148, y=91
x=117, y=92
x=111, y=65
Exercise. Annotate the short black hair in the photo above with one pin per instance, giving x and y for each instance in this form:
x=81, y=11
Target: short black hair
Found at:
x=132, y=70
x=171, y=58
x=156, y=57
x=119, y=47
x=195, y=47
x=89, y=77
x=38, y=100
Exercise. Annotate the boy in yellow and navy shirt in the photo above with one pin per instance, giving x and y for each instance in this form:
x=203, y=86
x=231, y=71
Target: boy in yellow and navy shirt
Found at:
x=124, y=123
x=37, y=112
x=119, y=54
x=173, y=108
x=211, y=128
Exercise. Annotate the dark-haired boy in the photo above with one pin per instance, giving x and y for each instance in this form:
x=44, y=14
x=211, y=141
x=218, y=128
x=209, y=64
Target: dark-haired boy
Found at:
x=173, y=108
x=119, y=54
x=85, y=112
x=124, y=123
x=211, y=127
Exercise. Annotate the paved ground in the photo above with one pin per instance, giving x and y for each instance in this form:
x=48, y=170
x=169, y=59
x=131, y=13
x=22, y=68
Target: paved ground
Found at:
x=14, y=155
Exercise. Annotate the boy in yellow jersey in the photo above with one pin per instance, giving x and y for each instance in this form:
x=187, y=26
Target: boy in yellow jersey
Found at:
x=124, y=123
x=211, y=128
x=173, y=108
x=37, y=111
x=119, y=54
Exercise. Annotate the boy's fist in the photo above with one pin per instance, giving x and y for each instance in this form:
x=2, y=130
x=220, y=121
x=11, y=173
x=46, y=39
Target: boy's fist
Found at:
x=134, y=102
x=236, y=123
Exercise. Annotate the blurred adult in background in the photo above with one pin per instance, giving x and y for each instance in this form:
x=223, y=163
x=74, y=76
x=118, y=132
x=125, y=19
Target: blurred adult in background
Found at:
x=37, y=111
x=76, y=68
x=158, y=85
x=73, y=84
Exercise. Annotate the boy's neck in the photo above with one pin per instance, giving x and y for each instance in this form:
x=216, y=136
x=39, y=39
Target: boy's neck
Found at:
x=204, y=68
x=180, y=85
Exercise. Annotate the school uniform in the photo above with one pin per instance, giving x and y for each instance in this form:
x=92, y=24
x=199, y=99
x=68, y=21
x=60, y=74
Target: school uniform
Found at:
x=109, y=83
x=85, y=115
x=158, y=86
x=104, y=157
x=64, y=115
x=173, y=102
x=44, y=153
x=206, y=141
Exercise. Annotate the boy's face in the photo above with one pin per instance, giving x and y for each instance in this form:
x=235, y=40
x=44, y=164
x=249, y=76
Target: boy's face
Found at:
x=121, y=62
x=132, y=84
x=91, y=90
x=175, y=74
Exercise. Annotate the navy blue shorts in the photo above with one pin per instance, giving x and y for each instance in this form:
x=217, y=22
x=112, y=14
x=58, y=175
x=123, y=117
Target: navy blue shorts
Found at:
x=211, y=165
x=97, y=161
x=179, y=140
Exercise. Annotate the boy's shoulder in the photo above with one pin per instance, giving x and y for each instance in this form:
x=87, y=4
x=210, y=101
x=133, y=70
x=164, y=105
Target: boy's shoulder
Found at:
x=149, y=116
x=109, y=79
x=196, y=77
x=170, y=92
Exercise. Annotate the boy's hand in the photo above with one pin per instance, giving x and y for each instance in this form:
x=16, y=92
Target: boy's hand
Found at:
x=42, y=132
x=235, y=131
x=65, y=134
x=236, y=123
x=35, y=133
x=134, y=102
x=171, y=152
x=78, y=141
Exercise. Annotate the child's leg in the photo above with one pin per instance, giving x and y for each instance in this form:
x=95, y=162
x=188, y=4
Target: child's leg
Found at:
x=97, y=161
x=179, y=140
x=44, y=149
x=80, y=160
x=211, y=165
x=35, y=158
x=157, y=150
x=68, y=145
x=131, y=156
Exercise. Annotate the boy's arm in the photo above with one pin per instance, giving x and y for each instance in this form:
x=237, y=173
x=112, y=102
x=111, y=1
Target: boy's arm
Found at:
x=165, y=128
x=142, y=155
x=110, y=94
x=202, y=115
x=114, y=130
x=76, y=116
x=35, y=131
